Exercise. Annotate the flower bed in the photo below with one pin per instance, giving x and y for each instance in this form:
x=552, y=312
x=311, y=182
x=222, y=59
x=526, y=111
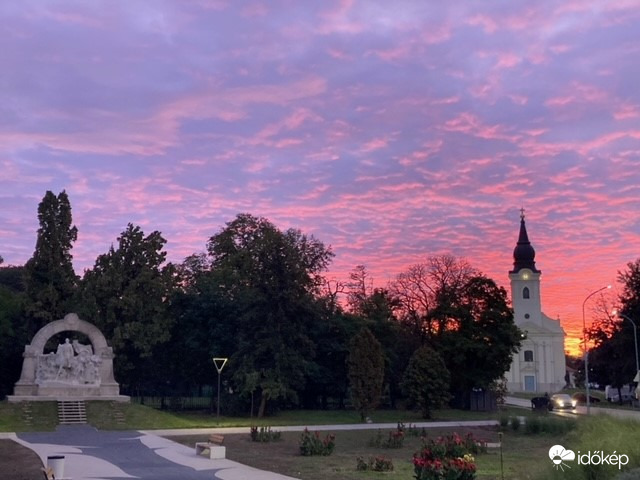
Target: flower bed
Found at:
x=448, y=458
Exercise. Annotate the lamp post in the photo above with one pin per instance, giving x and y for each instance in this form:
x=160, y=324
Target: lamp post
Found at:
x=219, y=363
x=635, y=338
x=586, y=347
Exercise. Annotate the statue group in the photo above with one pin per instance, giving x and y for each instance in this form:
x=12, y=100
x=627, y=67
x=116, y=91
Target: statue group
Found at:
x=73, y=370
x=72, y=363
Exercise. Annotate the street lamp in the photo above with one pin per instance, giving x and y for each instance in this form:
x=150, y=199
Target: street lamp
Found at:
x=586, y=347
x=219, y=363
x=635, y=336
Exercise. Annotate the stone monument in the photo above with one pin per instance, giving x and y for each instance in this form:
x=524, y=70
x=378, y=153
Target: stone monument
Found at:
x=74, y=371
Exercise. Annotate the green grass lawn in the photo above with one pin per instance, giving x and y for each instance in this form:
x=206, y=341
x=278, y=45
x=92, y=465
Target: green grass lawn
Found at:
x=129, y=416
x=23, y=417
x=102, y=415
x=523, y=455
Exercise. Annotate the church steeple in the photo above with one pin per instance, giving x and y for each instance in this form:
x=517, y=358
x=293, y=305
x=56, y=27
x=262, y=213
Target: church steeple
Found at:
x=523, y=255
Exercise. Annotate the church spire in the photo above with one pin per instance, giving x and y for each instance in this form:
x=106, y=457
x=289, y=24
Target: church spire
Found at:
x=523, y=255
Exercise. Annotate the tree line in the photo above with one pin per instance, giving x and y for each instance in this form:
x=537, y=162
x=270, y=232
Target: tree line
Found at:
x=260, y=296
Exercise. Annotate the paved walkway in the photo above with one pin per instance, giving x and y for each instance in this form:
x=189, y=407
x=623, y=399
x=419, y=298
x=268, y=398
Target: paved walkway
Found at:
x=91, y=454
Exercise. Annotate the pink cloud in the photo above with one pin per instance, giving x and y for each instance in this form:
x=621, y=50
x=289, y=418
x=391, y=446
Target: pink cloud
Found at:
x=627, y=111
x=487, y=23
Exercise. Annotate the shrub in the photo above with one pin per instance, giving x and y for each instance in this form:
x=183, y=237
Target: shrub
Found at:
x=394, y=440
x=448, y=458
x=311, y=444
x=532, y=426
x=460, y=468
x=377, y=440
x=504, y=422
x=375, y=464
x=475, y=445
x=264, y=434
x=414, y=431
x=515, y=423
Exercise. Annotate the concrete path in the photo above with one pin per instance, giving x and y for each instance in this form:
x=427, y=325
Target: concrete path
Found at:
x=323, y=428
x=99, y=455
x=91, y=454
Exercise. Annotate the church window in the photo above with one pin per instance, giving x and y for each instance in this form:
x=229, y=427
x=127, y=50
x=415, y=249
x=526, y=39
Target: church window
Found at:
x=525, y=292
x=528, y=355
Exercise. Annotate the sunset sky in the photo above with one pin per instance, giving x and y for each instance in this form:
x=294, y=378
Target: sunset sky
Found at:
x=390, y=130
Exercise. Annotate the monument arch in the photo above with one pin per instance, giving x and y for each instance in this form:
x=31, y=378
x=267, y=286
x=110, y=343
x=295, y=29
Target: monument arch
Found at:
x=75, y=371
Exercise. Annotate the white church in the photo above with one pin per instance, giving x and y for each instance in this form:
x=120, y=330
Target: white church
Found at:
x=540, y=364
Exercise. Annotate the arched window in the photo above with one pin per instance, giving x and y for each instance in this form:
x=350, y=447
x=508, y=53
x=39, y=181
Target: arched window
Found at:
x=525, y=292
x=528, y=355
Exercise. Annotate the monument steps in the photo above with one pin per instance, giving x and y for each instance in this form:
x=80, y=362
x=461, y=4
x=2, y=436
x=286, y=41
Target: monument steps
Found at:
x=72, y=412
x=118, y=414
x=27, y=413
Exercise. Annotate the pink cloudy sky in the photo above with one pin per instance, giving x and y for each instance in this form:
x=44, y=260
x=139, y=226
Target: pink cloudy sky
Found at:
x=389, y=130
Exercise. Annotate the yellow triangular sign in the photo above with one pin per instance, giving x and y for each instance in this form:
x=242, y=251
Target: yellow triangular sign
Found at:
x=220, y=363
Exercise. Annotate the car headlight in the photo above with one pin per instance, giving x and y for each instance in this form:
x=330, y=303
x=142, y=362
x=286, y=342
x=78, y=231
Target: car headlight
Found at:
x=574, y=403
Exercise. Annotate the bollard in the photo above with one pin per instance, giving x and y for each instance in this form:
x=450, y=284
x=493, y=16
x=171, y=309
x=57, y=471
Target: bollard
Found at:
x=56, y=463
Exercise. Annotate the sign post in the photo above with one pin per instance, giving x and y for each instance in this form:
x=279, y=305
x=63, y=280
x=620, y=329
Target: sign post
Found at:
x=219, y=364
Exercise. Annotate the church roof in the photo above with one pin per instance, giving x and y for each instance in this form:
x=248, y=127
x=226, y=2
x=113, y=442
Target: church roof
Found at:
x=523, y=255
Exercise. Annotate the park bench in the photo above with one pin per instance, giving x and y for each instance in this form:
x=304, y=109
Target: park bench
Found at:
x=214, y=445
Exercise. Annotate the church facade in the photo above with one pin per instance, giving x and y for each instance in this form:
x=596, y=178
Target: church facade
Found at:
x=539, y=365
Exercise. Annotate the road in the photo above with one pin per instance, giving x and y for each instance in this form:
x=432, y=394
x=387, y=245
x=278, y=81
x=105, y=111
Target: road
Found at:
x=580, y=410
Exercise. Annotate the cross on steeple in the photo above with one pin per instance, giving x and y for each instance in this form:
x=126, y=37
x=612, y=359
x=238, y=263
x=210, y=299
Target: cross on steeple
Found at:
x=522, y=213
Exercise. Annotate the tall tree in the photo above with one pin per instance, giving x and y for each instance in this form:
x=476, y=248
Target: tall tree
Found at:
x=426, y=381
x=50, y=278
x=13, y=335
x=366, y=371
x=612, y=359
x=273, y=278
x=126, y=294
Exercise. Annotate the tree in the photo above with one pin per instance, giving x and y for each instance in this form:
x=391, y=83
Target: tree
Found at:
x=426, y=381
x=427, y=286
x=612, y=359
x=51, y=281
x=272, y=278
x=13, y=335
x=464, y=316
x=126, y=294
x=366, y=371
x=480, y=338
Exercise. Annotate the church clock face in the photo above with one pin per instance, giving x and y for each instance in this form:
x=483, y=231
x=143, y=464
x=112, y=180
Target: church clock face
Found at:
x=525, y=275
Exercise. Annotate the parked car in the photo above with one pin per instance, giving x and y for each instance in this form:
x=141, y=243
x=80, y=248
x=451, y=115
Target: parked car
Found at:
x=628, y=393
x=581, y=398
x=562, y=401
